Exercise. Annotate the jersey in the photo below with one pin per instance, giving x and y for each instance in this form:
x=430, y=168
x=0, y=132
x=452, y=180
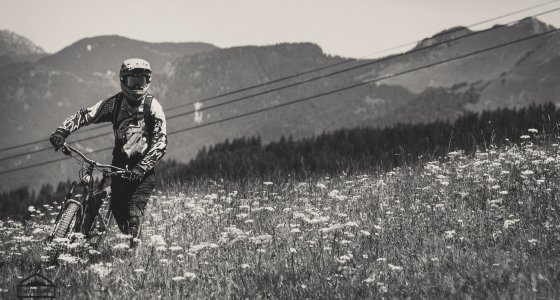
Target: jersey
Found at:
x=129, y=128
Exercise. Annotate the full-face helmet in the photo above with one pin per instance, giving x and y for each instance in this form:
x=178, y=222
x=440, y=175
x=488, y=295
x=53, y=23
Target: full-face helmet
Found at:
x=135, y=76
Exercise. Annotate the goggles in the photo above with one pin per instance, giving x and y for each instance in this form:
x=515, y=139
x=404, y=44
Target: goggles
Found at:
x=136, y=81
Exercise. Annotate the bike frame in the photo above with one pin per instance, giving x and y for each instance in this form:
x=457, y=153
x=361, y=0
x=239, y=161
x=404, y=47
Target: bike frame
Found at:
x=91, y=198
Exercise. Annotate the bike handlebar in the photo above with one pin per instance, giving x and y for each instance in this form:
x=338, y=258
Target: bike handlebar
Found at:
x=67, y=148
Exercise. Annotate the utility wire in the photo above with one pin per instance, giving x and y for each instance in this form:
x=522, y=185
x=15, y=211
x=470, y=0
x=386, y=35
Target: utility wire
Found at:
x=374, y=62
x=320, y=94
x=285, y=78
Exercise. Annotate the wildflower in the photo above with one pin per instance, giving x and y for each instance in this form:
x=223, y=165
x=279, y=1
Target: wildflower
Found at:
x=370, y=279
x=449, y=234
x=178, y=278
x=175, y=248
x=524, y=137
x=503, y=192
x=249, y=221
x=365, y=232
x=509, y=223
x=101, y=269
x=321, y=186
x=121, y=246
x=351, y=224
x=61, y=240
x=69, y=259
x=31, y=208
x=37, y=230
x=140, y=270
x=381, y=259
x=190, y=275
x=157, y=240
x=93, y=252
x=394, y=268
x=533, y=130
x=293, y=250
x=533, y=241
x=527, y=172
x=245, y=266
x=344, y=259
x=268, y=183
x=164, y=261
x=295, y=230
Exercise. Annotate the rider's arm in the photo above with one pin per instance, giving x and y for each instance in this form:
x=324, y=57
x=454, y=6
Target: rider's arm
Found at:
x=102, y=111
x=158, y=143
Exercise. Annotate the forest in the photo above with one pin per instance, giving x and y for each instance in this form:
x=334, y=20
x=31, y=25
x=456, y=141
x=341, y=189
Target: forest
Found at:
x=356, y=150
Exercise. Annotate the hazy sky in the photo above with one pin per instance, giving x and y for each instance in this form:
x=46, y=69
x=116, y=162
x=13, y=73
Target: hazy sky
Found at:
x=343, y=27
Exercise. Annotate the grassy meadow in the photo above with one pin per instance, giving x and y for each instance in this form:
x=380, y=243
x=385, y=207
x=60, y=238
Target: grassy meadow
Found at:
x=480, y=226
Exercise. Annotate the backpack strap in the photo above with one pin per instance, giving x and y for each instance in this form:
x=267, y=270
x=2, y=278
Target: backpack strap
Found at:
x=116, y=109
x=148, y=113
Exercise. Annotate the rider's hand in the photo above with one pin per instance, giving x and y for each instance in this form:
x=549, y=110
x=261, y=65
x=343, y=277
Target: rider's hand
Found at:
x=137, y=174
x=58, y=138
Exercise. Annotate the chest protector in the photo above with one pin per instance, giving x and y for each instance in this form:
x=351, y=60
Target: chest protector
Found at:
x=133, y=127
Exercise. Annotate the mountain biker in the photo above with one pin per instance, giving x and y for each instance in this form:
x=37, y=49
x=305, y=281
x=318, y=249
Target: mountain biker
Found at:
x=140, y=141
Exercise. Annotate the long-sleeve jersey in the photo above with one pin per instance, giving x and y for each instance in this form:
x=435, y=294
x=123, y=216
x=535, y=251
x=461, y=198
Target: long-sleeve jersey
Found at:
x=104, y=111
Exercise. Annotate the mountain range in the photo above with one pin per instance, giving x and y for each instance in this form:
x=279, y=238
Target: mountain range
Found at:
x=40, y=90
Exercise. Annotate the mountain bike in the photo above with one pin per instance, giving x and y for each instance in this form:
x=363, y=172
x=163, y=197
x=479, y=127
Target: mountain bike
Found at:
x=86, y=208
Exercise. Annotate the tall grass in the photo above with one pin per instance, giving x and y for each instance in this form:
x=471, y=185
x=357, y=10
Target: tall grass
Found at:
x=483, y=226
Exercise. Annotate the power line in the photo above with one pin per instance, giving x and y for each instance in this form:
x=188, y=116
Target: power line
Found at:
x=283, y=78
x=293, y=84
x=320, y=94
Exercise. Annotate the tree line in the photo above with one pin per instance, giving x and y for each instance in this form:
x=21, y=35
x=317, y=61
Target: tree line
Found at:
x=344, y=150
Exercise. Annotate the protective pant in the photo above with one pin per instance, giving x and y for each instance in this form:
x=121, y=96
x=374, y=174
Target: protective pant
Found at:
x=128, y=201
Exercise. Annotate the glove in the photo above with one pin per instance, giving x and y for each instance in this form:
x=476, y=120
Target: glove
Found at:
x=137, y=174
x=58, y=138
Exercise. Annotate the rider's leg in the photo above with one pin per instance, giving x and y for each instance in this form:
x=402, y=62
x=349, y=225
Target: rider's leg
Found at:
x=120, y=196
x=137, y=205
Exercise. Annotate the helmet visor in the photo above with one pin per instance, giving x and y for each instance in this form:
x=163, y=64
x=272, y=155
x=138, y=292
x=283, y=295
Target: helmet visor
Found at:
x=136, y=82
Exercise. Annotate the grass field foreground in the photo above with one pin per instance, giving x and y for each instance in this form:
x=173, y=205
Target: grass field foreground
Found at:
x=483, y=226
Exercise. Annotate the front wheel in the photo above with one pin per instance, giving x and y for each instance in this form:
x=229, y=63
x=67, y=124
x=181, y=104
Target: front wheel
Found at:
x=63, y=229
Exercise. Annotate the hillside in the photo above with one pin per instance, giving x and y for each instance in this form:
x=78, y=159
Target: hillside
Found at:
x=483, y=226
x=17, y=48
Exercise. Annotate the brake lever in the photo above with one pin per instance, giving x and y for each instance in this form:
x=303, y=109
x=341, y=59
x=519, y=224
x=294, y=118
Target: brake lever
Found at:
x=65, y=150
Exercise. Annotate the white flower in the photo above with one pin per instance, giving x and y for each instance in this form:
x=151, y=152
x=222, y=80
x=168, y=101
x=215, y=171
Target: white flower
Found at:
x=509, y=223
x=178, y=278
x=245, y=266
x=190, y=275
x=295, y=230
x=524, y=137
x=157, y=240
x=365, y=232
x=533, y=130
x=175, y=248
x=533, y=241
x=449, y=234
x=31, y=208
x=268, y=183
x=121, y=246
x=369, y=279
x=321, y=186
x=293, y=250
x=61, y=240
x=140, y=270
x=394, y=268
x=527, y=172
x=67, y=258
x=503, y=192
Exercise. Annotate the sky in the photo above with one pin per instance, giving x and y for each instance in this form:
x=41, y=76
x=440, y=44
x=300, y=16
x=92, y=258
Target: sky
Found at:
x=350, y=28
